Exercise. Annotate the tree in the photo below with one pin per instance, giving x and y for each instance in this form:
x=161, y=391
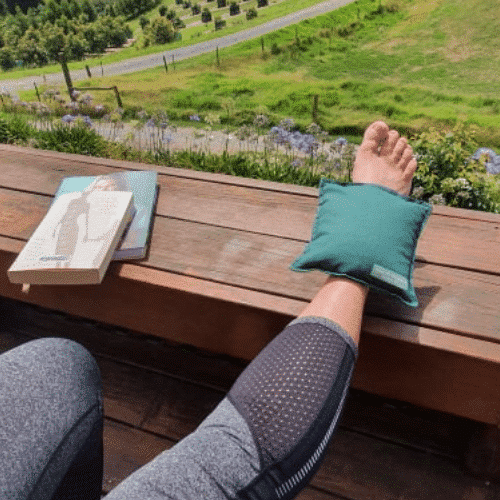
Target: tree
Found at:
x=206, y=16
x=234, y=9
x=251, y=13
x=161, y=31
x=3, y=8
x=7, y=59
x=89, y=10
x=143, y=21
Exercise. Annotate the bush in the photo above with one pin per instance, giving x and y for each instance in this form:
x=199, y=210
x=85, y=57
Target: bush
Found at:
x=251, y=13
x=234, y=9
x=178, y=23
x=262, y=3
x=447, y=175
x=275, y=50
x=196, y=9
x=78, y=139
x=160, y=31
x=144, y=21
x=206, y=17
x=4, y=132
x=7, y=59
x=187, y=4
x=219, y=23
x=163, y=10
x=221, y=3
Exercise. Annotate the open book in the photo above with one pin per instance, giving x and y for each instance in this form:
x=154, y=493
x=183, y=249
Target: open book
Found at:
x=75, y=241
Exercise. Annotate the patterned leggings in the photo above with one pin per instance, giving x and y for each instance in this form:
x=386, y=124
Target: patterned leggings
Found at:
x=265, y=440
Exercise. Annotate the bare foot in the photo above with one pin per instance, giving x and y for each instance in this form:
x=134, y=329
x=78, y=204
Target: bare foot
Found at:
x=385, y=159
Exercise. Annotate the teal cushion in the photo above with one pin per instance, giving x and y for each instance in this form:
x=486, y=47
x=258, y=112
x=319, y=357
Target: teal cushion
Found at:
x=367, y=233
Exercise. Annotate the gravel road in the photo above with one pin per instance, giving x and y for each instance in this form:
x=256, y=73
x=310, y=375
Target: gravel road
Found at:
x=153, y=60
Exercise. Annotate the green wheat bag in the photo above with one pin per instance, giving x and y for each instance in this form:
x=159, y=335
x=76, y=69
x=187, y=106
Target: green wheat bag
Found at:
x=367, y=233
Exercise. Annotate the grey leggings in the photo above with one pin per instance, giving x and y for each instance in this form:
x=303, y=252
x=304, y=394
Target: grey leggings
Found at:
x=265, y=440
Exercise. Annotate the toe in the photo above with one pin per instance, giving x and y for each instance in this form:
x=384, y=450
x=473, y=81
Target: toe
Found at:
x=388, y=146
x=399, y=148
x=374, y=135
x=410, y=169
x=405, y=157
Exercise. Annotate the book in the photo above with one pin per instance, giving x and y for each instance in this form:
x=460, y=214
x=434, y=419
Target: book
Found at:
x=143, y=185
x=76, y=239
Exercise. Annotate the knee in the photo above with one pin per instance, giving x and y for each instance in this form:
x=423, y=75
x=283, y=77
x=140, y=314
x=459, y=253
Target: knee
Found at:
x=61, y=363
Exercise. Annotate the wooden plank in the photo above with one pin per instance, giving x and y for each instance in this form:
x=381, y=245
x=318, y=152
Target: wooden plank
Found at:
x=132, y=380
x=448, y=296
x=29, y=156
x=447, y=239
x=182, y=361
x=436, y=379
x=356, y=467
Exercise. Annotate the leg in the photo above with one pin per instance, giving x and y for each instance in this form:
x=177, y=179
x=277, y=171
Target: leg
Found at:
x=267, y=437
x=50, y=422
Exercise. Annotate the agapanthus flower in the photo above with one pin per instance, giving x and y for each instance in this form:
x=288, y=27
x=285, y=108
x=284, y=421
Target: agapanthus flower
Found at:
x=68, y=118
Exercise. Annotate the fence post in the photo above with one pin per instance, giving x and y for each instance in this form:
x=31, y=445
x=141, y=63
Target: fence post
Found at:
x=217, y=54
x=88, y=70
x=67, y=76
x=262, y=43
x=102, y=70
x=173, y=61
x=165, y=62
x=118, y=98
x=37, y=93
x=315, y=108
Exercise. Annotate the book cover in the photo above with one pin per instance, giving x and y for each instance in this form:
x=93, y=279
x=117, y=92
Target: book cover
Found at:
x=76, y=239
x=143, y=185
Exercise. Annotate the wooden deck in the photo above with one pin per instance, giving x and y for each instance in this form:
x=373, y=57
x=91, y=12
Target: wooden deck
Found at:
x=172, y=332
x=155, y=393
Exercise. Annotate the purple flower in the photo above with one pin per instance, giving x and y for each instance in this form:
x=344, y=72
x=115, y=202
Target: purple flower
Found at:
x=87, y=121
x=150, y=123
x=341, y=141
x=195, y=118
x=68, y=118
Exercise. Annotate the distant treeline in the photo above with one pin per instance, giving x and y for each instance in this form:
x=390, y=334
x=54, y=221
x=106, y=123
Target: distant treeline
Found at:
x=24, y=4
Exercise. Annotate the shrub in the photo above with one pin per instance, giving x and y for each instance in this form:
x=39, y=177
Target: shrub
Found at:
x=251, y=13
x=160, y=31
x=187, y=4
x=163, y=10
x=219, y=23
x=447, y=173
x=7, y=59
x=178, y=23
x=221, y=3
x=262, y=3
x=4, y=132
x=171, y=14
x=234, y=9
x=78, y=139
x=196, y=9
x=179, y=2
x=206, y=16
x=144, y=21
x=275, y=50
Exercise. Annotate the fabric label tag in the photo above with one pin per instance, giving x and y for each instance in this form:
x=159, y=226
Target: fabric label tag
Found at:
x=389, y=277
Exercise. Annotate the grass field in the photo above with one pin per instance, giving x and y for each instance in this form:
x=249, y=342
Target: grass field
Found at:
x=428, y=63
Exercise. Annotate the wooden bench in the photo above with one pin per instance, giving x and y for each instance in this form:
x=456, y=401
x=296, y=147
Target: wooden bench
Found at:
x=216, y=277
